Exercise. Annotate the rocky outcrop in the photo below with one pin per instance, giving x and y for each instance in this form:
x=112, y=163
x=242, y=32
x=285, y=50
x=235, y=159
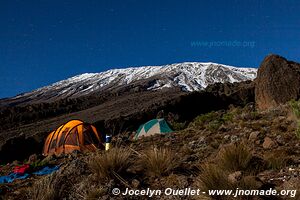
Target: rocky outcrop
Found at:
x=278, y=81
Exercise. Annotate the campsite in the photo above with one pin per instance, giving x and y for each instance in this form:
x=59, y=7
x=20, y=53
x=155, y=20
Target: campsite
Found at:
x=162, y=100
x=236, y=145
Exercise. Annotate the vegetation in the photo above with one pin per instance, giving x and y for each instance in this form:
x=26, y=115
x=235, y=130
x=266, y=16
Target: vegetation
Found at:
x=158, y=162
x=38, y=164
x=276, y=160
x=204, y=119
x=212, y=120
x=111, y=164
x=225, y=162
x=177, y=126
x=45, y=189
x=213, y=177
x=295, y=105
x=232, y=159
x=88, y=190
x=235, y=157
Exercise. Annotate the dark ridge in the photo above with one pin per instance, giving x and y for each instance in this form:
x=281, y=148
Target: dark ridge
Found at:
x=119, y=114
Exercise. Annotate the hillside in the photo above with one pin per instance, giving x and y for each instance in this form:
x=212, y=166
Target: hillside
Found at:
x=203, y=155
x=114, y=114
x=188, y=76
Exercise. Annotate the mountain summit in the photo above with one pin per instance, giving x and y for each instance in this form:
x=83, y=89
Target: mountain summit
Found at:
x=188, y=76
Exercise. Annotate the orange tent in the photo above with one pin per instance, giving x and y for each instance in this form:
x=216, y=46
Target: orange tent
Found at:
x=74, y=135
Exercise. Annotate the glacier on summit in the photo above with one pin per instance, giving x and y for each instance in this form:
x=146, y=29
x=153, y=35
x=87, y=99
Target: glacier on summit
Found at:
x=188, y=76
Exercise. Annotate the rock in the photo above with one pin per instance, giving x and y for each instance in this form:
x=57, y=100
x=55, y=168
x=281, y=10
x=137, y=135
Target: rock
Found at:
x=135, y=183
x=254, y=136
x=234, y=138
x=226, y=137
x=277, y=82
x=268, y=143
x=200, y=143
x=280, y=140
x=235, y=177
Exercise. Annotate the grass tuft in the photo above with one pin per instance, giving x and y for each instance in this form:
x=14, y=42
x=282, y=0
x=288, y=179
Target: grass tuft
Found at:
x=45, y=189
x=212, y=177
x=158, y=162
x=235, y=157
x=276, y=160
x=295, y=105
x=111, y=164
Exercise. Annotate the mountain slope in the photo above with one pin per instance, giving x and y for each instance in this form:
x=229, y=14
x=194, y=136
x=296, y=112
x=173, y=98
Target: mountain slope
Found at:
x=188, y=76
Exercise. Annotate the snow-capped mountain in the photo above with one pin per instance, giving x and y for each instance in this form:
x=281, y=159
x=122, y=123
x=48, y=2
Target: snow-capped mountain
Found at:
x=189, y=76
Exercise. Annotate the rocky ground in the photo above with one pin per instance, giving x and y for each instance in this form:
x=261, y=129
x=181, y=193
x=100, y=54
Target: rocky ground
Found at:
x=225, y=149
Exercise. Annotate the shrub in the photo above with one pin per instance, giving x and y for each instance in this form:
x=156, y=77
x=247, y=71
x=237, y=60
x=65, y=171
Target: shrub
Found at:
x=251, y=115
x=158, y=162
x=227, y=117
x=298, y=130
x=201, y=120
x=214, y=125
x=38, y=164
x=213, y=120
x=111, y=164
x=235, y=157
x=295, y=105
x=177, y=126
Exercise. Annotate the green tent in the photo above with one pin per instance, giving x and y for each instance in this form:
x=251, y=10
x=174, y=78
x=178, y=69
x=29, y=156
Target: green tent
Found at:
x=152, y=127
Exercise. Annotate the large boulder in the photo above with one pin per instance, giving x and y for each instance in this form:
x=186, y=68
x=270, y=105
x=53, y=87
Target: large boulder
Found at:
x=277, y=82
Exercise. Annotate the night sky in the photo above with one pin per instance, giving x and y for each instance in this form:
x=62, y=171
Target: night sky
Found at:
x=45, y=41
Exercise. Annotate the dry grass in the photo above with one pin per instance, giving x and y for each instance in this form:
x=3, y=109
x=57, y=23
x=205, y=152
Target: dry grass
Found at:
x=276, y=160
x=213, y=177
x=88, y=191
x=249, y=183
x=235, y=157
x=111, y=164
x=158, y=162
x=59, y=184
x=295, y=106
x=45, y=189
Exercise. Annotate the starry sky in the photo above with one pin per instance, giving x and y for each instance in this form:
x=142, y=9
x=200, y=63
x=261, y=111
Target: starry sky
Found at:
x=44, y=41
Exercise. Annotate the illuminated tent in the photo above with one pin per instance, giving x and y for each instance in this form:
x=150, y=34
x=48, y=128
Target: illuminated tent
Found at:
x=74, y=135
